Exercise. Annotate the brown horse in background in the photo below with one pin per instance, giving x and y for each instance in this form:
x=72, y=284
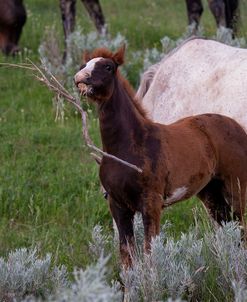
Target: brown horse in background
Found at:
x=12, y=19
x=204, y=155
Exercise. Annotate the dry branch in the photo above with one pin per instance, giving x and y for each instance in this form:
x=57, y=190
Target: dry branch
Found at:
x=46, y=77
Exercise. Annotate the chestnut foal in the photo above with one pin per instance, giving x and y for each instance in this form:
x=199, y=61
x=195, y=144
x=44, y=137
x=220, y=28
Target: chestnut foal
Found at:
x=204, y=155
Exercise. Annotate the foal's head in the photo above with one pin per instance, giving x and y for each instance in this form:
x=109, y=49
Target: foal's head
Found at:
x=96, y=78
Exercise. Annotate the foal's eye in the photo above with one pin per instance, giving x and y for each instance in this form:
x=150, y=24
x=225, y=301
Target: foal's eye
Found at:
x=108, y=68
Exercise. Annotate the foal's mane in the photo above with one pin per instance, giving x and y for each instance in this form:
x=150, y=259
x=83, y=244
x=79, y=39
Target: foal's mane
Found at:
x=107, y=54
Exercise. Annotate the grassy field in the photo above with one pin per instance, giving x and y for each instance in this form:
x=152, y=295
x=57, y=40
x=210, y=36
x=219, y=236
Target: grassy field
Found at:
x=49, y=187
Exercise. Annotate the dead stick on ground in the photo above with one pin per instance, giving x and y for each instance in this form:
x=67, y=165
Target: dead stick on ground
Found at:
x=47, y=78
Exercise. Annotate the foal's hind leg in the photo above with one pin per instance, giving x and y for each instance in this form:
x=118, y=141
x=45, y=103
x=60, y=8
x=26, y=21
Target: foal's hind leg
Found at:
x=235, y=192
x=212, y=196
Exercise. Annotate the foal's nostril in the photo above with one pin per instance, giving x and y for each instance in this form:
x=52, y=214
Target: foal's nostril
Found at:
x=86, y=80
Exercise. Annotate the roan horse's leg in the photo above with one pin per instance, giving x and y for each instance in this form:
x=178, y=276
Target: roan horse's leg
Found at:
x=124, y=218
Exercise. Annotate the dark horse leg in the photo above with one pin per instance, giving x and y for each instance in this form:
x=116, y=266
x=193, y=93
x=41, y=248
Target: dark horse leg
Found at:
x=217, y=8
x=194, y=11
x=124, y=218
x=96, y=14
x=68, y=12
x=225, y=12
x=217, y=197
x=67, y=8
x=232, y=14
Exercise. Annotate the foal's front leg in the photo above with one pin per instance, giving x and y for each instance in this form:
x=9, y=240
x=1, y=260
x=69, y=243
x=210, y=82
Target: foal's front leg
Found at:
x=151, y=212
x=124, y=217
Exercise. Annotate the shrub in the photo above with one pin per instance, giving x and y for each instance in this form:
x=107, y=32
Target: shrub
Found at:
x=52, y=56
x=169, y=270
x=193, y=267
x=22, y=273
x=90, y=285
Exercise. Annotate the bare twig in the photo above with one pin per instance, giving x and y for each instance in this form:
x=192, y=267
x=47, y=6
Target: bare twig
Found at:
x=23, y=65
x=47, y=78
x=115, y=158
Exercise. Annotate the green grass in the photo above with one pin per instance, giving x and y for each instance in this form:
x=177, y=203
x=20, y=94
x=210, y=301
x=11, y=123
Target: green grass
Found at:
x=49, y=186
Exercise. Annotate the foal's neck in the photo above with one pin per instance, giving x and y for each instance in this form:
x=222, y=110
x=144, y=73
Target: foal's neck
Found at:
x=122, y=122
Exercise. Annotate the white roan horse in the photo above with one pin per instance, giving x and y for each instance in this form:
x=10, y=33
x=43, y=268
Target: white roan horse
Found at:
x=200, y=76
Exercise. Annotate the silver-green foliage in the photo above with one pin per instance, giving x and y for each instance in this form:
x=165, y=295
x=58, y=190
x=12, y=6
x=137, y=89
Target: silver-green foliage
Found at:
x=225, y=35
x=90, y=285
x=174, y=269
x=240, y=291
x=182, y=268
x=23, y=273
x=229, y=254
x=99, y=242
x=170, y=270
x=52, y=57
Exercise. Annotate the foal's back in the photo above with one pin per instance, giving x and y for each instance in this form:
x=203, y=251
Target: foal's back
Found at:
x=226, y=138
x=216, y=146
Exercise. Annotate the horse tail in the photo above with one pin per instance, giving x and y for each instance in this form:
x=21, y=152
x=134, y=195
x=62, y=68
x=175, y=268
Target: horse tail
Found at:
x=146, y=80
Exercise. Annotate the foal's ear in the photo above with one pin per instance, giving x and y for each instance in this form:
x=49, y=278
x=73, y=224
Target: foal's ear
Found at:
x=86, y=56
x=118, y=56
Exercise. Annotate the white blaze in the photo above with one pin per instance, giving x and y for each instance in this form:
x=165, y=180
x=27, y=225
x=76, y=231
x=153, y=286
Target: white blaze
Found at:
x=87, y=70
x=90, y=64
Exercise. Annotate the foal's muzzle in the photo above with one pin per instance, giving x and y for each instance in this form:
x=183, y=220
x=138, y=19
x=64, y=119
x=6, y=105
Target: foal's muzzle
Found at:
x=85, y=81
